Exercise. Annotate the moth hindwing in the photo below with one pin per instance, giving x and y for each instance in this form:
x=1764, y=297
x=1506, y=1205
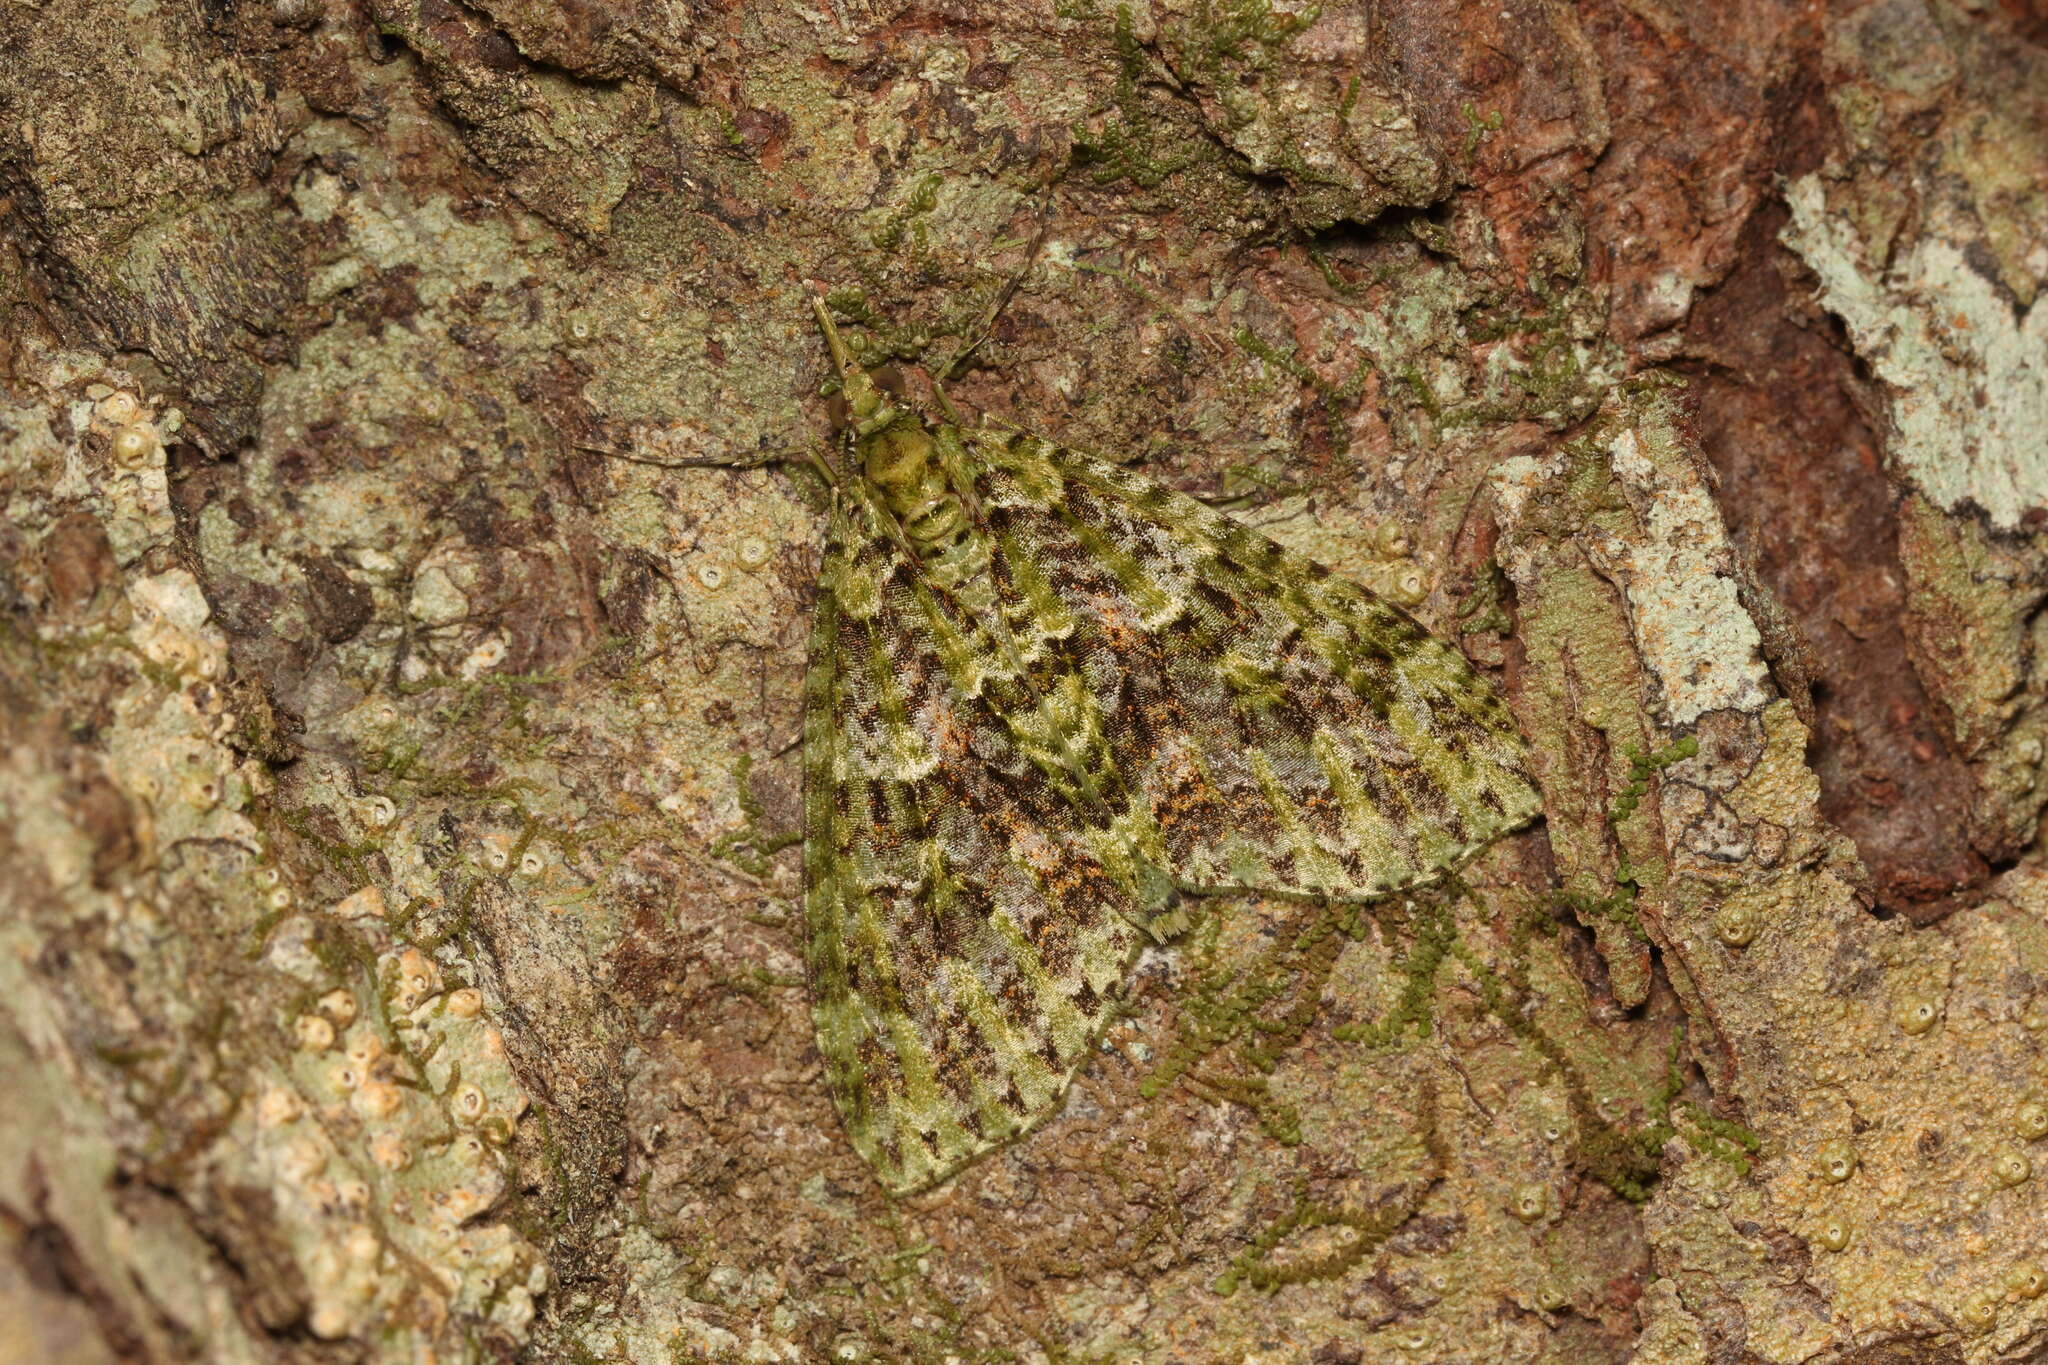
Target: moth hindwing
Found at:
x=1047, y=698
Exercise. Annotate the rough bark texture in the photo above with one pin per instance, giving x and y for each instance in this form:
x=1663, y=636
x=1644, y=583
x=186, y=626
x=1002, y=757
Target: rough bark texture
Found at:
x=396, y=742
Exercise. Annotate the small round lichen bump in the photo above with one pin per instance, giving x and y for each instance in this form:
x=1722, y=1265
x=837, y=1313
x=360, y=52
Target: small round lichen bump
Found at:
x=2030, y=1120
x=418, y=980
x=119, y=408
x=340, y=1006
x=1409, y=587
x=1834, y=1235
x=2010, y=1168
x=1736, y=925
x=1531, y=1202
x=278, y=1108
x=1837, y=1160
x=469, y=1104
x=465, y=1003
x=316, y=1034
x=389, y=1151
x=364, y=1048
x=377, y=1099
x=2026, y=1280
x=134, y=445
x=1979, y=1312
x=1916, y=1014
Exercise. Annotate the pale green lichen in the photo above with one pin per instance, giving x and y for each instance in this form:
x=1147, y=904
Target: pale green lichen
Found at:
x=1968, y=395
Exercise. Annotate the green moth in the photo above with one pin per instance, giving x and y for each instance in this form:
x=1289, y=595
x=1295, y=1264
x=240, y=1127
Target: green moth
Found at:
x=1048, y=699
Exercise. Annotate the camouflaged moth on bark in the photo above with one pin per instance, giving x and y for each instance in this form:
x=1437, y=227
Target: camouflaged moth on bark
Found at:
x=1047, y=699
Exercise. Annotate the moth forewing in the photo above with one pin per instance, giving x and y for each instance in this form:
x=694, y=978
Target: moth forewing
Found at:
x=1046, y=695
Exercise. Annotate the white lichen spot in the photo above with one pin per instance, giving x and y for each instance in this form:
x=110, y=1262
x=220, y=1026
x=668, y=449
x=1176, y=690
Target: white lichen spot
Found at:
x=485, y=657
x=330, y=1321
x=360, y=1243
x=377, y=1099
x=390, y=1151
x=469, y=1104
x=1690, y=626
x=119, y=408
x=418, y=980
x=1968, y=392
x=367, y=903
x=302, y=1160
x=278, y=1107
x=435, y=600
x=364, y=1048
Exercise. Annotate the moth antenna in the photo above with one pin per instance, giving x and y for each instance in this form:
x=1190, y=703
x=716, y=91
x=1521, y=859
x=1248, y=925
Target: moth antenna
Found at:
x=842, y=361
x=866, y=405
x=1002, y=301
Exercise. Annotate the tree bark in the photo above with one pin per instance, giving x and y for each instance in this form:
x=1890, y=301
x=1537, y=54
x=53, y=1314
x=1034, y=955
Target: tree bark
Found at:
x=404, y=580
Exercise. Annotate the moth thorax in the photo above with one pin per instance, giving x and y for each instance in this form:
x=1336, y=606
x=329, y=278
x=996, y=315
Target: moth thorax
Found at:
x=900, y=464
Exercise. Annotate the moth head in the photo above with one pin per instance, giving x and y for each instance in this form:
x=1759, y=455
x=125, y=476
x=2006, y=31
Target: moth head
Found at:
x=862, y=404
x=857, y=412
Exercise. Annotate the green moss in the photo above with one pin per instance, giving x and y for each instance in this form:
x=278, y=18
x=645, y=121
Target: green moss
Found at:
x=1625, y=1162
x=1340, y=399
x=1434, y=936
x=1256, y=1265
x=1222, y=33
x=1127, y=146
x=1258, y=1012
x=1640, y=768
x=1477, y=128
x=747, y=847
x=924, y=197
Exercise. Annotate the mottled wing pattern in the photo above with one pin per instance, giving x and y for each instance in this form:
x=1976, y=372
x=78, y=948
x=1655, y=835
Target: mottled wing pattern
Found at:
x=962, y=944
x=1018, y=748
x=1267, y=725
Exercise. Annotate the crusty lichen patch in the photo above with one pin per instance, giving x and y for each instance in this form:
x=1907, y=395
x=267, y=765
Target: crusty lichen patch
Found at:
x=1881, y=1070
x=307, y=1086
x=1968, y=394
